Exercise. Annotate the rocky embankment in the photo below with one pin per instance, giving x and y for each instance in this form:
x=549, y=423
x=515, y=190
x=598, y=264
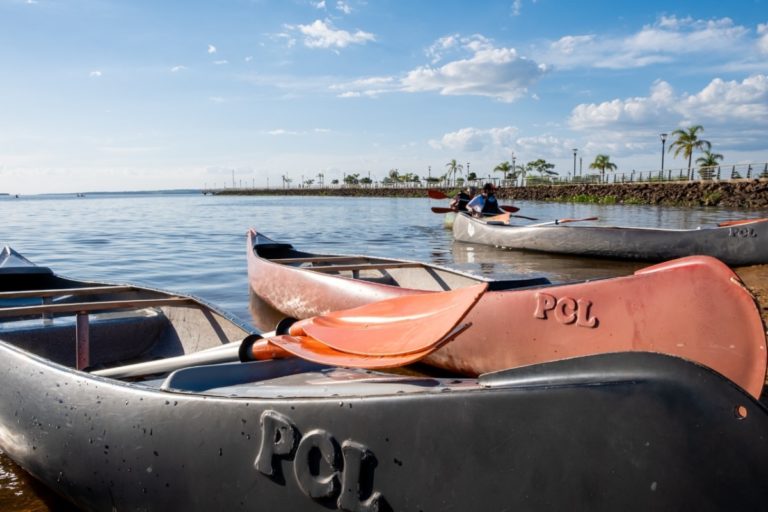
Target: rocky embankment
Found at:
x=729, y=194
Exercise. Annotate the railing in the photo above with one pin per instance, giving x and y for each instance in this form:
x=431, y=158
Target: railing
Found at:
x=701, y=174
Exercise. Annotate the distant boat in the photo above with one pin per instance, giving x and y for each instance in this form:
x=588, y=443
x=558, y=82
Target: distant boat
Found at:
x=79, y=195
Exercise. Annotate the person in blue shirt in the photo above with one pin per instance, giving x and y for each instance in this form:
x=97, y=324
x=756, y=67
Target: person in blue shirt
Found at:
x=485, y=203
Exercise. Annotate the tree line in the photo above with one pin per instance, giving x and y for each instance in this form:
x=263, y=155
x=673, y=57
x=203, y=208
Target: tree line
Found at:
x=685, y=141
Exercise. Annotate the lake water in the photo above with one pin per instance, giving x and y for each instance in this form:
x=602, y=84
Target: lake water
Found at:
x=196, y=244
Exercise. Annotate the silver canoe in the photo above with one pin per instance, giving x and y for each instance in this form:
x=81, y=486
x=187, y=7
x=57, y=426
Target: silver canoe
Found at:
x=736, y=243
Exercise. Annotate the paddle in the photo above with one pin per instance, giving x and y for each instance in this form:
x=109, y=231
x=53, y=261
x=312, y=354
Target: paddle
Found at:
x=384, y=334
x=436, y=194
x=561, y=221
x=738, y=222
x=439, y=209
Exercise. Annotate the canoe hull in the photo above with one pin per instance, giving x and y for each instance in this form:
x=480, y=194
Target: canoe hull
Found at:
x=742, y=244
x=619, y=430
x=694, y=308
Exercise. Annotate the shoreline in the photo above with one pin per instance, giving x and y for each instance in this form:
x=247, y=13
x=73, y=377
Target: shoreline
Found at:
x=748, y=194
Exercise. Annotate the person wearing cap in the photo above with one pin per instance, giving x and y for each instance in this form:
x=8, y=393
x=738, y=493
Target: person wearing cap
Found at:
x=485, y=203
x=460, y=200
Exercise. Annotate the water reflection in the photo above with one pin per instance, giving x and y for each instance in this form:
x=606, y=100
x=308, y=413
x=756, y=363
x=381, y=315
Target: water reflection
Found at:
x=196, y=244
x=509, y=264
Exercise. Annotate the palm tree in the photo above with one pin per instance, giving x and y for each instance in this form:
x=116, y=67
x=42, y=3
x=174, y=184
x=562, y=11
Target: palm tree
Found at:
x=603, y=162
x=394, y=176
x=454, y=167
x=687, y=141
x=544, y=168
x=707, y=164
x=503, y=168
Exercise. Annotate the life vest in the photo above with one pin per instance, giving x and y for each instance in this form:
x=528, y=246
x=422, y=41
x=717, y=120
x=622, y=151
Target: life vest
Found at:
x=490, y=205
x=462, y=199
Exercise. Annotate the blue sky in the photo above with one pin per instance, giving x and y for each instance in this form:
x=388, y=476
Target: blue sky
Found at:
x=137, y=95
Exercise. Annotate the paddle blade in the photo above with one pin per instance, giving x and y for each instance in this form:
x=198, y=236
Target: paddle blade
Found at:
x=439, y=209
x=511, y=209
x=398, y=326
x=436, y=194
x=738, y=222
x=504, y=217
x=311, y=349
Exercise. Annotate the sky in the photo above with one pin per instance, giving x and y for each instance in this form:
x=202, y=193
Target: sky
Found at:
x=103, y=95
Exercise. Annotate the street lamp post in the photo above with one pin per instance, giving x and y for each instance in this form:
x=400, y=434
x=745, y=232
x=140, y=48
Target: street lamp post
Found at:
x=663, y=143
x=575, y=150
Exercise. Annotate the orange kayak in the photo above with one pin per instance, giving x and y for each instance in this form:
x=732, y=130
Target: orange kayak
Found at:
x=694, y=308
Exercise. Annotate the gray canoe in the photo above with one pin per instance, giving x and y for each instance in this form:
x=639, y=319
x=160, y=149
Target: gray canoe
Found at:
x=738, y=243
x=626, y=431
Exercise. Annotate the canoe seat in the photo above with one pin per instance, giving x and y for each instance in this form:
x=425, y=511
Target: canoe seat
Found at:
x=201, y=378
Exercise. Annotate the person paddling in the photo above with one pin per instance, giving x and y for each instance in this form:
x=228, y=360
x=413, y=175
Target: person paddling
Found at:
x=462, y=199
x=485, y=203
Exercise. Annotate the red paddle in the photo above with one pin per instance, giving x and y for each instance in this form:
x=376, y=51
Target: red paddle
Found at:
x=436, y=194
x=384, y=334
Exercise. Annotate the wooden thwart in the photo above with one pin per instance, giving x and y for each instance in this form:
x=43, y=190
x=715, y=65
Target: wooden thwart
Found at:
x=364, y=266
x=61, y=292
x=78, y=307
x=319, y=259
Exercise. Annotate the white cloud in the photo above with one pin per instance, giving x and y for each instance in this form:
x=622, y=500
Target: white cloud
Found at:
x=95, y=73
x=211, y=48
x=516, y=6
x=729, y=101
x=217, y=99
x=438, y=48
x=499, y=73
x=718, y=103
x=343, y=7
x=319, y=5
x=289, y=40
x=479, y=69
x=282, y=131
x=220, y=62
x=667, y=40
x=735, y=115
x=762, y=42
x=475, y=139
x=322, y=34
x=176, y=69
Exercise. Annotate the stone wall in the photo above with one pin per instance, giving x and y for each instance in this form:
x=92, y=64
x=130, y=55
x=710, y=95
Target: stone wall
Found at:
x=729, y=194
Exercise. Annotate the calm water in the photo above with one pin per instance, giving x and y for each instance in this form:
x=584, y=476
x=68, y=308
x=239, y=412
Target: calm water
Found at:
x=196, y=244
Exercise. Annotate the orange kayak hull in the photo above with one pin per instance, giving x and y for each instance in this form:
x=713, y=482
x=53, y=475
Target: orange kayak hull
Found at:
x=695, y=308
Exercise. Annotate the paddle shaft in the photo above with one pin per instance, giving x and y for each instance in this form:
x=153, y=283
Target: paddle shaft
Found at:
x=440, y=209
x=561, y=221
x=225, y=353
